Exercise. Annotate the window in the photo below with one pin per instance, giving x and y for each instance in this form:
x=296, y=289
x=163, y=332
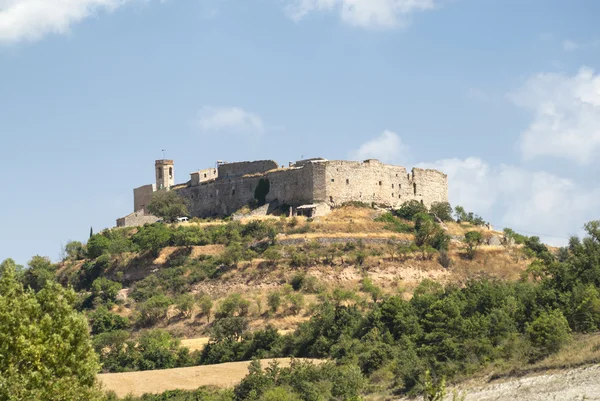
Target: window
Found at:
x=159, y=172
x=392, y=194
x=331, y=199
x=399, y=186
x=170, y=172
x=415, y=188
x=392, y=186
x=379, y=183
x=347, y=181
x=332, y=180
x=204, y=175
x=233, y=192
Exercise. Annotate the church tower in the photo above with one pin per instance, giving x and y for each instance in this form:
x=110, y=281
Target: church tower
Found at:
x=165, y=174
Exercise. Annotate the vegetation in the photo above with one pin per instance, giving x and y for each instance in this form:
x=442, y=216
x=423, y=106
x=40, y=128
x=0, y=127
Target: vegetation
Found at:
x=167, y=205
x=45, y=347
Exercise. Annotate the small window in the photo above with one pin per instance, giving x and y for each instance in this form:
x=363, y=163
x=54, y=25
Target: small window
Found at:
x=396, y=175
x=233, y=192
x=204, y=175
x=399, y=186
x=331, y=199
x=347, y=181
x=392, y=186
x=392, y=194
x=421, y=201
x=379, y=183
x=159, y=171
x=415, y=188
x=170, y=172
x=332, y=180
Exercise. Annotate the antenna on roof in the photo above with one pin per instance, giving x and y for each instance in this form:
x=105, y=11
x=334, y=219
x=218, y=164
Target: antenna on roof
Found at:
x=164, y=154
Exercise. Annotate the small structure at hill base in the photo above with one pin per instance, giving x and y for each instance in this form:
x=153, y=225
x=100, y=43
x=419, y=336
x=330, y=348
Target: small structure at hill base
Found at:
x=310, y=187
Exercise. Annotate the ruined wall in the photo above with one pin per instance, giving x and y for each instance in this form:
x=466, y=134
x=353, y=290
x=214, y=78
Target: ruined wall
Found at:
x=232, y=170
x=142, y=197
x=373, y=181
x=431, y=185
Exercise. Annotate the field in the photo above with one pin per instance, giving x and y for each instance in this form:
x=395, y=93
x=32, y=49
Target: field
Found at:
x=158, y=381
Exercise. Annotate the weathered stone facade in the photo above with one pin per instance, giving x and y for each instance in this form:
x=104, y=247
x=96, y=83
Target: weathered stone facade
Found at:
x=138, y=218
x=229, y=187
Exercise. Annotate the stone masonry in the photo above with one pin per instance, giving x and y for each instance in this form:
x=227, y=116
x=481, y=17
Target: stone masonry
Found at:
x=317, y=184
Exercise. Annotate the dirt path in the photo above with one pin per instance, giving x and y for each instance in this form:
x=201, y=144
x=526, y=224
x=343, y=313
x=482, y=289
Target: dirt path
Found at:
x=157, y=381
x=568, y=385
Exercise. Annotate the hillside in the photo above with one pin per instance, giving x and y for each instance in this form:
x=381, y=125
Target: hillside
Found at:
x=398, y=302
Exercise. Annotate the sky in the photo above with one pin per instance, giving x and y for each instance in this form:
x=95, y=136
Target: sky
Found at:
x=501, y=95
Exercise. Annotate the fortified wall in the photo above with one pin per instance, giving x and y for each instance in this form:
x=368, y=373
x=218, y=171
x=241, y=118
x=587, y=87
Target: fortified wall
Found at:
x=307, y=185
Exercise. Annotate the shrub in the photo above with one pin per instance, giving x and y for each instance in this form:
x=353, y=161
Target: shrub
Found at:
x=105, y=290
x=394, y=224
x=444, y=259
x=410, y=209
x=103, y=321
x=152, y=237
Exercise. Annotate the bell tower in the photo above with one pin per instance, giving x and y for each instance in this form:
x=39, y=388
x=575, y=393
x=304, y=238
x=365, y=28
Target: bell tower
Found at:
x=165, y=174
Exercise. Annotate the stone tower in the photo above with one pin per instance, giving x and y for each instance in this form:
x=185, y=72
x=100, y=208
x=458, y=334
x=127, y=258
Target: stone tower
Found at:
x=165, y=174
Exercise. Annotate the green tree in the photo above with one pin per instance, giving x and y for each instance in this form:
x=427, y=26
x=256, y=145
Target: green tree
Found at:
x=472, y=239
x=168, y=205
x=425, y=229
x=45, y=349
x=185, y=304
x=206, y=304
x=152, y=237
x=97, y=245
x=408, y=210
x=154, y=310
x=74, y=250
x=548, y=332
x=274, y=301
x=40, y=272
x=441, y=210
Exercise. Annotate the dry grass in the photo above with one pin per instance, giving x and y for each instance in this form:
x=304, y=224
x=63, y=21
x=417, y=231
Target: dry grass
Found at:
x=158, y=381
x=583, y=350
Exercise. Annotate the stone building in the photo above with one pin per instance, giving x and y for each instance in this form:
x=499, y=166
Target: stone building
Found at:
x=310, y=187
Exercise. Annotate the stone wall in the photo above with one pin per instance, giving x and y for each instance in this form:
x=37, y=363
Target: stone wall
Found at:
x=136, y=219
x=226, y=195
x=373, y=181
x=142, y=197
x=232, y=170
x=311, y=181
x=208, y=174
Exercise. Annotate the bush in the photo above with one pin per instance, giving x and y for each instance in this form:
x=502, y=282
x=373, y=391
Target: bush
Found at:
x=394, y=224
x=103, y=321
x=185, y=304
x=152, y=237
x=410, y=209
x=105, y=290
x=206, y=304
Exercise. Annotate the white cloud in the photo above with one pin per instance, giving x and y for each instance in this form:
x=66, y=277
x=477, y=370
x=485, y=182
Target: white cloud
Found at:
x=233, y=120
x=511, y=196
x=566, y=115
x=569, y=45
x=31, y=19
x=387, y=147
x=362, y=13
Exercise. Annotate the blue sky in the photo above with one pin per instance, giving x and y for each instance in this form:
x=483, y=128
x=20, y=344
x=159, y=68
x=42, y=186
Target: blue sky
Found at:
x=502, y=95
